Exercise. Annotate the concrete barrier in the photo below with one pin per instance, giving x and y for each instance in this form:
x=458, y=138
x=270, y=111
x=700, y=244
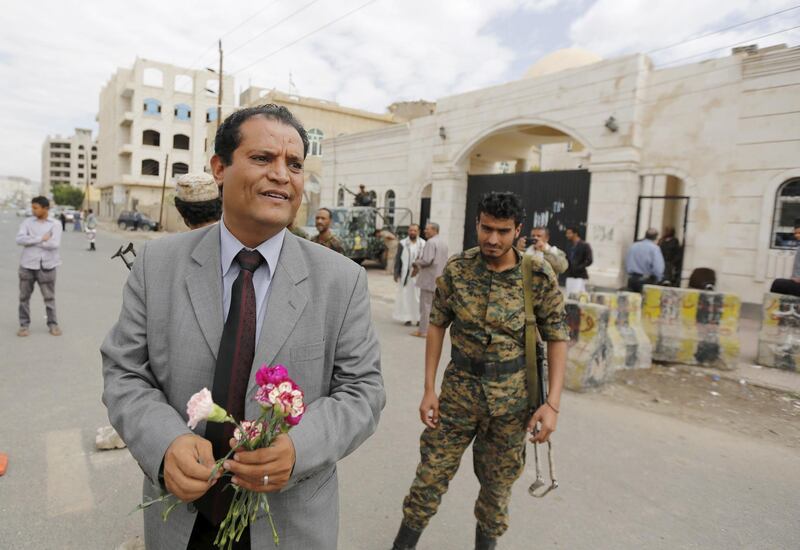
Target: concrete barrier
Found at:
x=779, y=338
x=695, y=327
x=631, y=346
x=588, y=361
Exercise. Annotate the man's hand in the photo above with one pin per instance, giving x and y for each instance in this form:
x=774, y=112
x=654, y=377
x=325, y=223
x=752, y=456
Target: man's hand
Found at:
x=522, y=244
x=414, y=270
x=539, y=245
x=188, y=463
x=429, y=410
x=46, y=237
x=250, y=467
x=547, y=419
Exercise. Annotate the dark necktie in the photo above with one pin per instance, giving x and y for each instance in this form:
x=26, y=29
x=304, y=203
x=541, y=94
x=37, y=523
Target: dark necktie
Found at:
x=234, y=361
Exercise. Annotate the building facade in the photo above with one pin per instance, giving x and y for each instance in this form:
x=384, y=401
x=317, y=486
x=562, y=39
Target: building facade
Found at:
x=17, y=191
x=613, y=147
x=69, y=161
x=152, y=122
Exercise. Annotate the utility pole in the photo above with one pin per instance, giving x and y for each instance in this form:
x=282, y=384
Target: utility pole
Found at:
x=163, y=190
x=219, y=91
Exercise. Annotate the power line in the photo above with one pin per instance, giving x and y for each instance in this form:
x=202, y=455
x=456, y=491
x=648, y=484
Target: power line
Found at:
x=730, y=45
x=726, y=29
x=274, y=25
x=326, y=25
x=228, y=33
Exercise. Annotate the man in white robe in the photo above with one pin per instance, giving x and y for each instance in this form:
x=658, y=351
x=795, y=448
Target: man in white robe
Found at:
x=406, y=306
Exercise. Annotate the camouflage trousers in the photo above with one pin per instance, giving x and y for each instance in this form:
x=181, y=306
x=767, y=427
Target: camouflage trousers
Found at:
x=498, y=454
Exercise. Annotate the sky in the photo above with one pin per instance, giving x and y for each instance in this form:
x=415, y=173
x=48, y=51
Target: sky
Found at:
x=55, y=56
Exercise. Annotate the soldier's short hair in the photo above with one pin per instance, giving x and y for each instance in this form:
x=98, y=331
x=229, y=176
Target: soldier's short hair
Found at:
x=503, y=206
x=326, y=209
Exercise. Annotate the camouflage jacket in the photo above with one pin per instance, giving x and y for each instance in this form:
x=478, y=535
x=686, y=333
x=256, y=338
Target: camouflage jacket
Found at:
x=332, y=242
x=487, y=313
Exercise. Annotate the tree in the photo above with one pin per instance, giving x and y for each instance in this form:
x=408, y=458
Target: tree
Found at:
x=67, y=195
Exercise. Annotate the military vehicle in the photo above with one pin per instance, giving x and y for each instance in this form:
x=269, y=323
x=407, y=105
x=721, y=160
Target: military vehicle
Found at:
x=359, y=228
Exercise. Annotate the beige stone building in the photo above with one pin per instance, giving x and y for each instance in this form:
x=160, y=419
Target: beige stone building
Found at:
x=611, y=146
x=323, y=120
x=17, y=191
x=146, y=113
x=69, y=160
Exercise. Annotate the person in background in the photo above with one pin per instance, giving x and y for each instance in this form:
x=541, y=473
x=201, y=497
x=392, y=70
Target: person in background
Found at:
x=362, y=198
x=429, y=265
x=197, y=199
x=40, y=238
x=76, y=221
x=672, y=251
x=324, y=236
x=644, y=262
x=297, y=231
x=63, y=219
x=91, y=229
x=406, y=306
x=790, y=286
x=540, y=247
x=579, y=254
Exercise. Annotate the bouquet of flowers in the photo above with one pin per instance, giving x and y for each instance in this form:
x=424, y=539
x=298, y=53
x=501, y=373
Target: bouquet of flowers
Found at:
x=282, y=407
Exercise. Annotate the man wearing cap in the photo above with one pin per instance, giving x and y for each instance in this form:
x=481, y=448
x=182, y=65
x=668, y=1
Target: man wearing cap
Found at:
x=197, y=200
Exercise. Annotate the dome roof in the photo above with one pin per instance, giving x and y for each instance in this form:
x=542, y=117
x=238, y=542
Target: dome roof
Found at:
x=560, y=60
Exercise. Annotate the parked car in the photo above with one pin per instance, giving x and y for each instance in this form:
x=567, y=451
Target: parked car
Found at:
x=136, y=220
x=69, y=214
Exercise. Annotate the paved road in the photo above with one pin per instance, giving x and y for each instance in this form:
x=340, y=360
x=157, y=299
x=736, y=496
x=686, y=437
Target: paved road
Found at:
x=630, y=479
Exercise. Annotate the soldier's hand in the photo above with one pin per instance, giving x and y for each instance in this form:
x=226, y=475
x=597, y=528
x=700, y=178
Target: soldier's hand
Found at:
x=429, y=410
x=522, y=244
x=546, y=418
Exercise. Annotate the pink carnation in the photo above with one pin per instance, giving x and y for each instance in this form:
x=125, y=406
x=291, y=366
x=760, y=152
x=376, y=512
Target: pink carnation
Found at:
x=271, y=375
x=287, y=399
x=202, y=407
x=253, y=431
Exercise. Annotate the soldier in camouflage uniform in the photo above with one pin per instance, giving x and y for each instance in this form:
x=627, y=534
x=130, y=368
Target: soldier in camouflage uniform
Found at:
x=483, y=395
x=325, y=236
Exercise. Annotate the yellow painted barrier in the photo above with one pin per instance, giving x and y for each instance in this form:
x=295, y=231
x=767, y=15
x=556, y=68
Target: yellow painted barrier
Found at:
x=696, y=327
x=779, y=337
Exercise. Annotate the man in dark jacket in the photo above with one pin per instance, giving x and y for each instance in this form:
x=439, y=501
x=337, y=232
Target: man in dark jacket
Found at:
x=579, y=254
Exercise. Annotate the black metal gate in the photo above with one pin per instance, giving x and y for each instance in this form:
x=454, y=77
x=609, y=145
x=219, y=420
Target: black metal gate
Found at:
x=554, y=200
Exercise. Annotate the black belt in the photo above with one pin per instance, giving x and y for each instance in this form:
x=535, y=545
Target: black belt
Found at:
x=484, y=368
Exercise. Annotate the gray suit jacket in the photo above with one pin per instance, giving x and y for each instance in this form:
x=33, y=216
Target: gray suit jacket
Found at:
x=431, y=263
x=163, y=349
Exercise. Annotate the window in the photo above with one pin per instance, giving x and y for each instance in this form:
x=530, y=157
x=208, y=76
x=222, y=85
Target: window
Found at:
x=151, y=137
x=80, y=175
x=152, y=106
x=315, y=136
x=179, y=168
x=389, y=200
x=80, y=166
x=183, y=83
x=211, y=114
x=81, y=156
x=153, y=77
x=180, y=141
x=183, y=111
x=340, y=197
x=212, y=87
x=80, y=147
x=787, y=210
x=149, y=167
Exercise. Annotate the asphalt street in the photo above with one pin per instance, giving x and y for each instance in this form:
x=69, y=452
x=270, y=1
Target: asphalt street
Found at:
x=629, y=478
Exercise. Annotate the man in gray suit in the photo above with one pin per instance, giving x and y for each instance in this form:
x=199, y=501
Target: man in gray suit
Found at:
x=196, y=303
x=428, y=266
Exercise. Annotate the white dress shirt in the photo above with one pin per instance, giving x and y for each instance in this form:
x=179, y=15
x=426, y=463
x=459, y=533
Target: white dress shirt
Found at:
x=229, y=248
x=39, y=254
